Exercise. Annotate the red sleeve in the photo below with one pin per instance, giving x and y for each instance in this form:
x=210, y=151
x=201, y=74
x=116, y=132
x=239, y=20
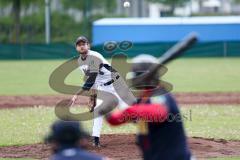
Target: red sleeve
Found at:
x=145, y=112
x=116, y=118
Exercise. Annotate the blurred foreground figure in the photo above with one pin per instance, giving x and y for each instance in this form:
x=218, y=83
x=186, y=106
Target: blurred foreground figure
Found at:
x=68, y=140
x=161, y=134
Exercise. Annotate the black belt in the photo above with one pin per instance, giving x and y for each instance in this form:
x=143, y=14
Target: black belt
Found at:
x=111, y=81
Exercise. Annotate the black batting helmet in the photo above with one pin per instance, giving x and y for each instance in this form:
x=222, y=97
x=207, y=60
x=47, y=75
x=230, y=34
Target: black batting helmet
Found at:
x=141, y=64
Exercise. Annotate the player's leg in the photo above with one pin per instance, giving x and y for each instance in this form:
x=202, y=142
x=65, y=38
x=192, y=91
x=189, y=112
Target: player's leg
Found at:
x=97, y=126
x=96, y=130
x=123, y=93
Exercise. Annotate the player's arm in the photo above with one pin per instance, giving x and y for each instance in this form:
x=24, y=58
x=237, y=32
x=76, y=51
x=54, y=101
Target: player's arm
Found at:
x=145, y=112
x=108, y=67
x=87, y=85
x=90, y=81
x=92, y=74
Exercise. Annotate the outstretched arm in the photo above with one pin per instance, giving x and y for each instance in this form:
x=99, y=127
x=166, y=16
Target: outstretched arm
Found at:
x=87, y=85
x=145, y=112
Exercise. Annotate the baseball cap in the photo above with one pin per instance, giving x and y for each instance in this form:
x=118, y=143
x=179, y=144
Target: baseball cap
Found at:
x=81, y=39
x=66, y=132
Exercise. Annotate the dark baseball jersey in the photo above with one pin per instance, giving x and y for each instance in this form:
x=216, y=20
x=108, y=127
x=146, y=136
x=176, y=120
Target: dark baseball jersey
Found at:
x=164, y=140
x=161, y=135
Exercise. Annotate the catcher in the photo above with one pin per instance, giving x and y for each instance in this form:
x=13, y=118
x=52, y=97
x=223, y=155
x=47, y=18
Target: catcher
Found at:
x=68, y=140
x=161, y=134
x=100, y=77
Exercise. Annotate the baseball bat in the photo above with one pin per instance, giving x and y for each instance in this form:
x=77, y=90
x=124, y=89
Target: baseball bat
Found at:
x=171, y=54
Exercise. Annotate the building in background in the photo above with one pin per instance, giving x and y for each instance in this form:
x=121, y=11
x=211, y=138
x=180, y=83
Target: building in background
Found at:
x=138, y=8
x=197, y=7
x=143, y=8
x=217, y=36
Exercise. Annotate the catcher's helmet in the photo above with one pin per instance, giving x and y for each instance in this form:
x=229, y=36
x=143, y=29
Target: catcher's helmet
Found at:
x=141, y=64
x=66, y=132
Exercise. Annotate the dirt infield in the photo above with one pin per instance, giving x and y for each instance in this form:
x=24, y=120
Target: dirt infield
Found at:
x=121, y=147
x=182, y=98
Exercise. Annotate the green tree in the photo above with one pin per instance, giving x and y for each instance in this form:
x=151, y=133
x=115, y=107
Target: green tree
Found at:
x=87, y=6
x=172, y=3
x=15, y=13
x=236, y=1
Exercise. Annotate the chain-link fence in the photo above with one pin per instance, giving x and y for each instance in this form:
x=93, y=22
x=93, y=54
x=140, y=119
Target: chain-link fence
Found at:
x=64, y=50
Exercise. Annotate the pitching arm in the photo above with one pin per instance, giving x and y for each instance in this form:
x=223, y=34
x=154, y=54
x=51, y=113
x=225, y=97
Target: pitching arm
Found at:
x=87, y=85
x=90, y=81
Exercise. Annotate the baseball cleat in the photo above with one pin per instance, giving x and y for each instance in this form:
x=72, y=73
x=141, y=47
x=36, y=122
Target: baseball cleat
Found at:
x=96, y=142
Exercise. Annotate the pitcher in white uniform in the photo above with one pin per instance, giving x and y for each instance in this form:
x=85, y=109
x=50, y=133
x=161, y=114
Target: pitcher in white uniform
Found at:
x=100, y=77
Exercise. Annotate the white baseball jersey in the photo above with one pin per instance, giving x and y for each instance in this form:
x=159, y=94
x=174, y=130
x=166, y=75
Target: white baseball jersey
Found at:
x=95, y=62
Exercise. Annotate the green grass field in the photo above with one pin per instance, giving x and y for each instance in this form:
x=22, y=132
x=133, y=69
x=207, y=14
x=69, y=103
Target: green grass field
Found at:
x=227, y=158
x=186, y=75
x=29, y=125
